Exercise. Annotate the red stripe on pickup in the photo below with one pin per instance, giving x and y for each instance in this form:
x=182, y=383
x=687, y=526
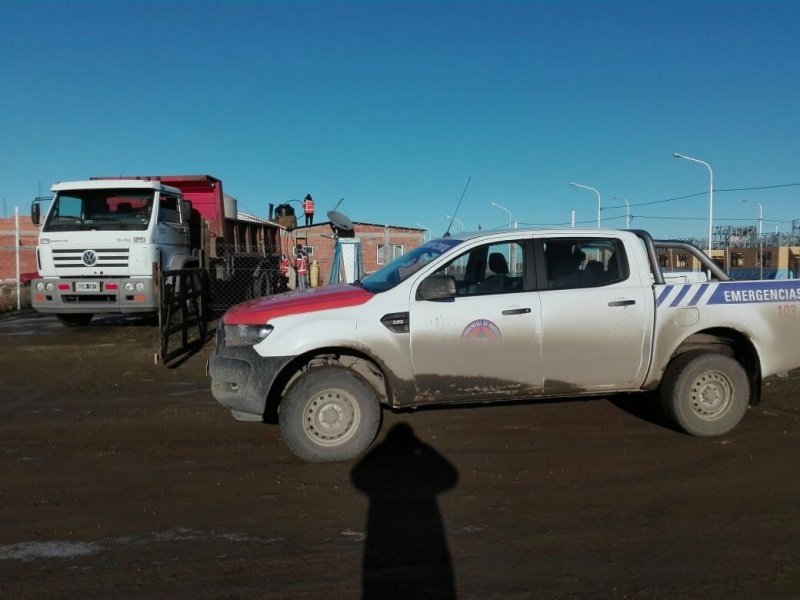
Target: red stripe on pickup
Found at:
x=262, y=310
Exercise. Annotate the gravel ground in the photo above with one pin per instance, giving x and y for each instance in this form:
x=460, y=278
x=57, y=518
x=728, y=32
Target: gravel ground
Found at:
x=125, y=479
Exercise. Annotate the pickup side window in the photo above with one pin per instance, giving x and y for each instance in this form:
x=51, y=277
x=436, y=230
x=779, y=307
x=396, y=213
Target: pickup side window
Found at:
x=489, y=269
x=583, y=262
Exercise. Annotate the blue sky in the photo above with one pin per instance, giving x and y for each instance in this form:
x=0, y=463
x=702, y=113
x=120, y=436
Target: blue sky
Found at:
x=394, y=106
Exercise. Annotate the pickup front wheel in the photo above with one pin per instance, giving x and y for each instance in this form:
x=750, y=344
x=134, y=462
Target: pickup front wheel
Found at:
x=705, y=394
x=329, y=414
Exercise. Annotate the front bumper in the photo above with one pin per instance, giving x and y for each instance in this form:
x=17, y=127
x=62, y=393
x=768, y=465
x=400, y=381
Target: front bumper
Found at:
x=241, y=378
x=110, y=296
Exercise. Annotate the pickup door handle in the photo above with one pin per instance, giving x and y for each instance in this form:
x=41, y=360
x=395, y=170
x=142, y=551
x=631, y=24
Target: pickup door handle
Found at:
x=517, y=311
x=622, y=302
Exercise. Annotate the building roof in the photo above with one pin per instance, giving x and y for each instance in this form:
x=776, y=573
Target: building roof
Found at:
x=363, y=223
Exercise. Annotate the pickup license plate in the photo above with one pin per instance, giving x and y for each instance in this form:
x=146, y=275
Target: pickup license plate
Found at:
x=87, y=286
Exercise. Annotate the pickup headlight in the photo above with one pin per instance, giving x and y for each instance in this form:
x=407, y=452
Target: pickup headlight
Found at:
x=246, y=335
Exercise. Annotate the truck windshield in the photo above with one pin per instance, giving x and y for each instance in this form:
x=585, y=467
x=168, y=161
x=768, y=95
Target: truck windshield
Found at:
x=82, y=210
x=406, y=265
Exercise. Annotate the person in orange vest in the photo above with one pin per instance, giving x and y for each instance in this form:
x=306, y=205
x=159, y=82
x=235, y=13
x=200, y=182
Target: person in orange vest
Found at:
x=301, y=265
x=283, y=271
x=308, y=209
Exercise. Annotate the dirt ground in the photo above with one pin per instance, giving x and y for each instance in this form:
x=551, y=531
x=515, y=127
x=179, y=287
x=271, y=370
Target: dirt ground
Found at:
x=125, y=479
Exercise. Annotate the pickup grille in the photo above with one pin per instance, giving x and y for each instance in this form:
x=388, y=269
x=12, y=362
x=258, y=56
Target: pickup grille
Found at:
x=90, y=257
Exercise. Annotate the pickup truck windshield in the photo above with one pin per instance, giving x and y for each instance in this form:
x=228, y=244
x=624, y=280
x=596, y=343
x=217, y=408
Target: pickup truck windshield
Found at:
x=83, y=210
x=406, y=265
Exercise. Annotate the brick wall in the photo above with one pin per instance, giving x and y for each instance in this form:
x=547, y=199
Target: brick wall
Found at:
x=28, y=235
x=320, y=239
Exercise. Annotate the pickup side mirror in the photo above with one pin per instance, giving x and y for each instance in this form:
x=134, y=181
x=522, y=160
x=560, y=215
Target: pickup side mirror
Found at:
x=437, y=287
x=36, y=213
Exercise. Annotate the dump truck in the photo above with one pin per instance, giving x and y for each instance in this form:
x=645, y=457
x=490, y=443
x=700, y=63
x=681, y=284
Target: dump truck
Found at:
x=105, y=241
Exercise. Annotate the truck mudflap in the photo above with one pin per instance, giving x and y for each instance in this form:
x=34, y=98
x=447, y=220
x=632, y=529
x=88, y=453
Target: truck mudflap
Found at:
x=110, y=295
x=241, y=379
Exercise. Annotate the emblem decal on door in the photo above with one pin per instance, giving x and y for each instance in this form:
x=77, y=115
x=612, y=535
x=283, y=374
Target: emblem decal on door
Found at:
x=482, y=330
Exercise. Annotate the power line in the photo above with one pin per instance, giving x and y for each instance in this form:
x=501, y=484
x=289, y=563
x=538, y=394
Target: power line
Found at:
x=703, y=193
x=665, y=200
x=763, y=187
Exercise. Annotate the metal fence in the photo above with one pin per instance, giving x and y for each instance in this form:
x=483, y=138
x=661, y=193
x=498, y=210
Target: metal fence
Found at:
x=183, y=314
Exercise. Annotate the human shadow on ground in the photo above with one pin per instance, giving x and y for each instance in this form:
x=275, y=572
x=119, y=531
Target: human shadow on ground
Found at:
x=405, y=551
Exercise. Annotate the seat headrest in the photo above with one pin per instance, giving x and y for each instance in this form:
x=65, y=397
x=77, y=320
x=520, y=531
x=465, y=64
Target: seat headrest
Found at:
x=498, y=264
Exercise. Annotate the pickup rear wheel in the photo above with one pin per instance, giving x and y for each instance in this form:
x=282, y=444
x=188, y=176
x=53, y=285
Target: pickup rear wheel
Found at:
x=329, y=414
x=705, y=394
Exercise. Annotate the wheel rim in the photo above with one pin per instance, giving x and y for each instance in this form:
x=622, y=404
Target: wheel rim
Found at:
x=331, y=417
x=711, y=395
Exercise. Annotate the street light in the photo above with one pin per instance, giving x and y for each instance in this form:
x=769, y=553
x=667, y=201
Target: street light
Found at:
x=627, y=213
x=760, y=240
x=511, y=222
x=512, y=253
x=710, y=194
x=586, y=187
x=426, y=233
x=456, y=220
x=760, y=213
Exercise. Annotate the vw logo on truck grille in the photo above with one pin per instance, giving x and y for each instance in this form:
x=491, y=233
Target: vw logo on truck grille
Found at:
x=89, y=258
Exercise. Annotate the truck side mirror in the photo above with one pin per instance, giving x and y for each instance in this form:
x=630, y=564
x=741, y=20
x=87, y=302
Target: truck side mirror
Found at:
x=437, y=287
x=186, y=211
x=36, y=213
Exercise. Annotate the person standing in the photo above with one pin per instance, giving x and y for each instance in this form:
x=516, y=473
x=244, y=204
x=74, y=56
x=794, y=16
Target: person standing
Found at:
x=283, y=270
x=301, y=266
x=308, y=209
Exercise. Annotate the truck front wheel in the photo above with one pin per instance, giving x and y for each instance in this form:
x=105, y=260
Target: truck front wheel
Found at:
x=705, y=394
x=73, y=320
x=329, y=414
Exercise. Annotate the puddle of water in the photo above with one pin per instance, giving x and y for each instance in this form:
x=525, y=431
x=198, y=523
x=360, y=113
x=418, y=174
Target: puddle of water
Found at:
x=32, y=550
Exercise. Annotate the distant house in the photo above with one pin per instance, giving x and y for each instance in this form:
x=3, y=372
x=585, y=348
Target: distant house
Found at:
x=380, y=244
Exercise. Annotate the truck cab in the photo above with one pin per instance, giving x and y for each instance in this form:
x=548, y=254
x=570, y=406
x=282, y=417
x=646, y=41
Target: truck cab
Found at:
x=101, y=244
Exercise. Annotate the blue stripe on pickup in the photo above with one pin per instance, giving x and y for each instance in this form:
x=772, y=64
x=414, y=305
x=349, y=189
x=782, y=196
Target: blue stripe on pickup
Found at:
x=681, y=293
x=757, y=292
x=728, y=292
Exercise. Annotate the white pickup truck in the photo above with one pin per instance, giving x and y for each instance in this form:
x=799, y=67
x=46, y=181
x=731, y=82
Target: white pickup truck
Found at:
x=499, y=316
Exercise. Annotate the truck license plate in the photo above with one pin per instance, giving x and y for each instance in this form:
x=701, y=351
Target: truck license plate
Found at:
x=87, y=286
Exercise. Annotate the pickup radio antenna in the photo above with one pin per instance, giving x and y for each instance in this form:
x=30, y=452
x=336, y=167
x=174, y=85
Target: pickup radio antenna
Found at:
x=447, y=233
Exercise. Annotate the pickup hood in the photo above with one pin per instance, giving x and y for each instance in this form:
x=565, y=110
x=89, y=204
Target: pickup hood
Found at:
x=262, y=310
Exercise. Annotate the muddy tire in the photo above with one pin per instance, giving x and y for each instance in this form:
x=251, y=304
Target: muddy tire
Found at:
x=329, y=414
x=705, y=394
x=75, y=320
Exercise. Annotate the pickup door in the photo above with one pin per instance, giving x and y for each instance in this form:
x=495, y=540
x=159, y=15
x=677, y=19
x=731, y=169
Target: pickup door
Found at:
x=596, y=316
x=484, y=344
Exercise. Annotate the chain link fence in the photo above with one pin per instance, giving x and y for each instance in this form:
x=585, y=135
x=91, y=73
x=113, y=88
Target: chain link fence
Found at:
x=232, y=277
x=235, y=277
